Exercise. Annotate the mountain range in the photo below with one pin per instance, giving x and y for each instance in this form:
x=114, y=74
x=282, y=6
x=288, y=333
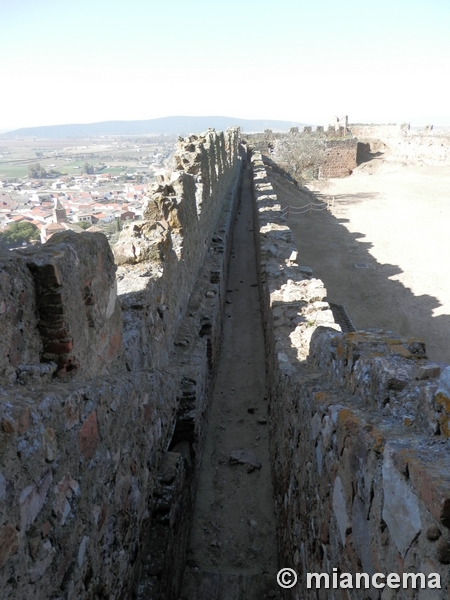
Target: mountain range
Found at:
x=164, y=125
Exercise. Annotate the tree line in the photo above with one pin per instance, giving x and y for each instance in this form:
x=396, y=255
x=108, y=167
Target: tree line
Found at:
x=37, y=171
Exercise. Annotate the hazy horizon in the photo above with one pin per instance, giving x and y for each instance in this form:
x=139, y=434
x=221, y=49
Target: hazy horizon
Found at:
x=297, y=61
x=174, y=125
x=413, y=125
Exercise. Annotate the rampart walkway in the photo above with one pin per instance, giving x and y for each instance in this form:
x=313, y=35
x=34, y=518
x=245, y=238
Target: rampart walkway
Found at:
x=232, y=553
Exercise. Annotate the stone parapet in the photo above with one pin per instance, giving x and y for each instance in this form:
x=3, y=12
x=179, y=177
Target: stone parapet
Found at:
x=427, y=146
x=389, y=374
x=77, y=472
x=98, y=466
x=60, y=310
x=181, y=212
x=358, y=424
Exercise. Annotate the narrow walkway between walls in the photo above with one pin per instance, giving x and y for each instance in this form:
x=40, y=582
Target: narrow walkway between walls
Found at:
x=232, y=553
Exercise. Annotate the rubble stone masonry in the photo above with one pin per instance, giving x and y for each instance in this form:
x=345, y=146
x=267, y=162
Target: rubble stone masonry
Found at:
x=106, y=367
x=340, y=158
x=360, y=435
x=105, y=375
x=427, y=146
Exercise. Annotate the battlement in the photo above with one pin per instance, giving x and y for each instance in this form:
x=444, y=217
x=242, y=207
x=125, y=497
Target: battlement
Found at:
x=106, y=374
x=61, y=315
x=107, y=369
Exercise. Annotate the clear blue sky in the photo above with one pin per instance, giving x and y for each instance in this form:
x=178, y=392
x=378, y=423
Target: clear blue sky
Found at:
x=302, y=60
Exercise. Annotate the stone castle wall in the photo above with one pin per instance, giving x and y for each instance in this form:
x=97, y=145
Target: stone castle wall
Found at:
x=427, y=146
x=340, y=158
x=60, y=313
x=159, y=258
x=339, y=149
x=106, y=373
x=359, y=427
x=105, y=394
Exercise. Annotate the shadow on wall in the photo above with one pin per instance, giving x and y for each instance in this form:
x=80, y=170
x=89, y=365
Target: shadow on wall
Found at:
x=98, y=468
x=354, y=278
x=365, y=153
x=359, y=422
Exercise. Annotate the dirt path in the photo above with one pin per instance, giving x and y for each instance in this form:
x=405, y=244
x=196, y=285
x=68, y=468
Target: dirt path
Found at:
x=232, y=554
x=393, y=218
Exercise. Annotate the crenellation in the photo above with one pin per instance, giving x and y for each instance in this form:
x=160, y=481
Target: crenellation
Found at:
x=107, y=363
x=116, y=366
x=177, y=244
x=69, y=291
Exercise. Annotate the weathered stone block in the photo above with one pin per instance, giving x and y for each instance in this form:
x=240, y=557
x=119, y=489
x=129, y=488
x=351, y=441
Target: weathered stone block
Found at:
x=362, y=536
x=401, y=506
x=20, y=342
x=88, y=436
x=32, y=500
x=9, y=542
x=340, y=509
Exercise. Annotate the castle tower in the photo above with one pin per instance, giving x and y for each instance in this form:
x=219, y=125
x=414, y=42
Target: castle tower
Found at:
x=59, y=213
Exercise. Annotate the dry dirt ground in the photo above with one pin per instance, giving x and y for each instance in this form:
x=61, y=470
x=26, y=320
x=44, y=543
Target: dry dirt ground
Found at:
x=394, y=218
x=233, y=551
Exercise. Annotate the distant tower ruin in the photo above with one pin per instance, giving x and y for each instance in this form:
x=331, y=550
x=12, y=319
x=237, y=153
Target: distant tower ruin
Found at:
x=59, y=212
x=340, y=124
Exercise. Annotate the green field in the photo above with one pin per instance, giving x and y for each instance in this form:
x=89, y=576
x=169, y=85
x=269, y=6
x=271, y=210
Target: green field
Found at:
x=123, y=158
x=13, y=171
x=114, y=170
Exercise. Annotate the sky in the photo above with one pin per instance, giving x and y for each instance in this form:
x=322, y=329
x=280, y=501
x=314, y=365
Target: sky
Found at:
x=299, y=60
